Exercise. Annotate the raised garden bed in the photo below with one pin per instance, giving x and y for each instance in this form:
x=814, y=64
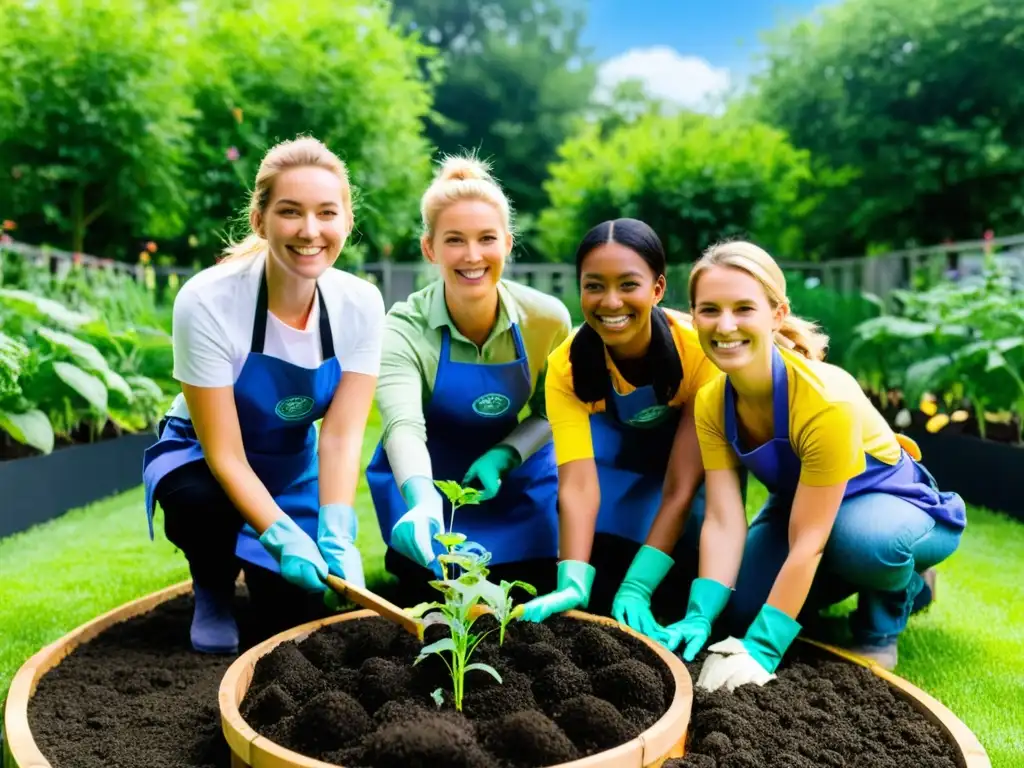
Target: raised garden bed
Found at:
x=40, y=487
x=126, y=689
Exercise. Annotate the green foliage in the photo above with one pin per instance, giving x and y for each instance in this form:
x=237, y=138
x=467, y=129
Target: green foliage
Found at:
x=836, y=312
x=959, y=341
x=65, y=368
x=922, y=101
x=93, y=121
x=264, y=72
x=695, y=179
x=514, y=81
x=468, y=595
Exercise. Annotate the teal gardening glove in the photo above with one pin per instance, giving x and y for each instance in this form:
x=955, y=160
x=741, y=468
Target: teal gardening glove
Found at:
x=413, y=534
x=296, y=553
x=575, y=579
x=632, y=603
x=336, y=539
x=491, y=468
x=707, y=600
x=753, y=659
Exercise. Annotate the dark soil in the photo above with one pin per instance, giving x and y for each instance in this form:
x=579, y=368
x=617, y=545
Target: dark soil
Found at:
x=137, y=695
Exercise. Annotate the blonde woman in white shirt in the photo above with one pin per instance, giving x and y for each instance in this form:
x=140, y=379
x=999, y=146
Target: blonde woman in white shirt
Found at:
x=267, y=342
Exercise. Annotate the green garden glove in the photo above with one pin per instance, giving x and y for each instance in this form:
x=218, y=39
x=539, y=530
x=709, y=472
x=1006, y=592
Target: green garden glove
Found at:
x=575, y=578
x=490, y=469
x=753, y=659
x=707, y=600
x=632, y=603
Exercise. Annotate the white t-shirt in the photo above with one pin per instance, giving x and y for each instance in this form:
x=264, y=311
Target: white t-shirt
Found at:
x=215, y=311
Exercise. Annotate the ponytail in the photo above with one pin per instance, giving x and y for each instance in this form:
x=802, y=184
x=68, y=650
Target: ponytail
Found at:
x=803, y=337
x=251, y=246
x=591, y=380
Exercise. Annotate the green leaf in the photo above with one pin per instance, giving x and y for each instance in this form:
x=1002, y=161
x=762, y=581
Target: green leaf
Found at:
x=92, y=390
x=451, y=489
x=484, y=668
x=421, y=608
x=449, y=540
x=922, y=374
x=43, y=308
x=439, y=646
x=83, y=352
x=438, y=696
x=117, y=383
x=29, y=428
x=145, y=386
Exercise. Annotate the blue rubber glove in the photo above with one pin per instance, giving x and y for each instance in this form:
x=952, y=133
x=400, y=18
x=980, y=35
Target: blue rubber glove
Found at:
x=490, y=469
x=575, y=579
x=707, y=600
x=296, y=553
x=413, y=534
x=336, y=539
x=753, y=659
x=632, y=603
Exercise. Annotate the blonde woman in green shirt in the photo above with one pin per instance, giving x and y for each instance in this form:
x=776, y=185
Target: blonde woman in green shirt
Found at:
x=461, y=395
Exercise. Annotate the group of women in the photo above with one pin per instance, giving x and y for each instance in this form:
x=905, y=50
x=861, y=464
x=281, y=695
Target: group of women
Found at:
x=612, y=459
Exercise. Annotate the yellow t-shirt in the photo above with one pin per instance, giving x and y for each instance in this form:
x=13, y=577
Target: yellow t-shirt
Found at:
x=570, y=417
x=833, y=426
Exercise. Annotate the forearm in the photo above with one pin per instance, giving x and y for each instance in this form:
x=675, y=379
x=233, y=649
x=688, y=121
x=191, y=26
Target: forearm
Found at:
x=792, y=585
x=528, y=436
x=683, y=478
x=339, y=467
x=408, y=455
x=578, y=503
x=247, y=493
x=722, y=540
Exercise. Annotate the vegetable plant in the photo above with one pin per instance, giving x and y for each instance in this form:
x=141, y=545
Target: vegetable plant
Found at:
x=467, y=596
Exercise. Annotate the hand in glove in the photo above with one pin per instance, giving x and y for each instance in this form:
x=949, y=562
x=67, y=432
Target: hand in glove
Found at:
x=575, y=579
x=296, y=553
x=707, y=600
x=413, y=534
x=336, y=539
x=632, y=603
x=491, y=468
x=753, y=659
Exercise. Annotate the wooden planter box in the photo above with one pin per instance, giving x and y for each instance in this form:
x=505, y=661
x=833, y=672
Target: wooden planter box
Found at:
x=983, y=472
x=40, y=488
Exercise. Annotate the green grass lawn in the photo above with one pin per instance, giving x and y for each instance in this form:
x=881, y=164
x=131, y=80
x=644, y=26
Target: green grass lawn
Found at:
x=967, y=650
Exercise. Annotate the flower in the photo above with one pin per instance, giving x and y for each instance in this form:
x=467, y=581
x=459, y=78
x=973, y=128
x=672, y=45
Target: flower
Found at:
x=937, y=422
x=9, y=226
x=927, y=405
x=237, y=112
x=151, y=246
x=232, y=154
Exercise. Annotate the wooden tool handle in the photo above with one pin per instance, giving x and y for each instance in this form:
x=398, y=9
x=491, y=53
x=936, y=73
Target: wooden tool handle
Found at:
x=376, y=603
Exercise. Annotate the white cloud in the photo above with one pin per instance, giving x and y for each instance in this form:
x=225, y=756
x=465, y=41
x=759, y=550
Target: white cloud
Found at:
x=686, y=81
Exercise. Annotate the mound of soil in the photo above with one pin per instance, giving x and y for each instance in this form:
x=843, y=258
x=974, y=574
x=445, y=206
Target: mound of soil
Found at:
x=137, y=695
x=350, y=694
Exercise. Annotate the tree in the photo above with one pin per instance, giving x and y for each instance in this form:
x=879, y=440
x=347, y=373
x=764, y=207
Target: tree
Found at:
x=696, y=179
x=514, y=82
x=93, y=121
x=922, y=101
x=265, y=72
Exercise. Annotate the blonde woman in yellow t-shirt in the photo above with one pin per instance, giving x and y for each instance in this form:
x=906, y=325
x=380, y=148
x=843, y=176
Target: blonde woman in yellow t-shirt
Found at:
x=851, y=510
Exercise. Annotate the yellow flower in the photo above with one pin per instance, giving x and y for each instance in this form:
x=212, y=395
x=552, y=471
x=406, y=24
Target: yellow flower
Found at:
x=928, y=407
x=937, y=422
x=959, y=415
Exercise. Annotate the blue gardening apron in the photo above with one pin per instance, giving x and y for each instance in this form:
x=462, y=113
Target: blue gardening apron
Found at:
x=632, y=440
x=473, y=407
x=278, y=403
x=777, y=466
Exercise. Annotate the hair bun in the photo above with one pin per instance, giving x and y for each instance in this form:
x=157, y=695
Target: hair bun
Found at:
x=464, y=169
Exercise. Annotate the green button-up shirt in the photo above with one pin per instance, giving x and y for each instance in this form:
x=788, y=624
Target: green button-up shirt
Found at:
x=411, y=351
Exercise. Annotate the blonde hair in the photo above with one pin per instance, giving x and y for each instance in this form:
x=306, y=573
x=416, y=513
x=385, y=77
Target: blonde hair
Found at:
x=796, y=333
x=303, y=152
x=462, y=178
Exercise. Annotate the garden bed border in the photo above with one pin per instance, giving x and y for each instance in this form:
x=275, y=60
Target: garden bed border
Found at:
x=37, y=489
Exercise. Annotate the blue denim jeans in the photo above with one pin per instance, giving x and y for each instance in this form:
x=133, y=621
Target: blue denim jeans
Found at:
x=878, y=548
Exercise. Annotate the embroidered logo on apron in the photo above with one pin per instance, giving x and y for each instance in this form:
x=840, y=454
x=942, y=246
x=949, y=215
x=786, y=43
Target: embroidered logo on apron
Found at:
x=650, y=416
x=294, y=408
x=493, y=404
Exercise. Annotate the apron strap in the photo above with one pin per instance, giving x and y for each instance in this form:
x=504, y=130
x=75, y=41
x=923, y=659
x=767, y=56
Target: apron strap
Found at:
x=259, y=326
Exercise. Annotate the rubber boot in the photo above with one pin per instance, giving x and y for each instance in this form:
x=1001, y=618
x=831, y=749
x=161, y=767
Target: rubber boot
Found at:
x=213, y=623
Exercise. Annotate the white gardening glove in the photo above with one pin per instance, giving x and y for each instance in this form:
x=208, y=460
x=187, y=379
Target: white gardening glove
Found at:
x=730, y=664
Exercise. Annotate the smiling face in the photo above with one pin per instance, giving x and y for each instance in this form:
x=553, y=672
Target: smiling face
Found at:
x=734, y=318
x=470, y=245
x=618, y=290
x=305, y=221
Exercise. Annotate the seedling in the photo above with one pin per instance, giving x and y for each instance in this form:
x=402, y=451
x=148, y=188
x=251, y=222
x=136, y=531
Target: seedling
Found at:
x=462, y=597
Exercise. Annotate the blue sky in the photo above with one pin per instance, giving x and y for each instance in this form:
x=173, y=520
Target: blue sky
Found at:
x=684, y=49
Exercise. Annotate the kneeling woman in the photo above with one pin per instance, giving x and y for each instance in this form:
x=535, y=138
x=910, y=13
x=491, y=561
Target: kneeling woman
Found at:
x=461, y=396
x=851, y=510
x=619, y=394
x=266, y=343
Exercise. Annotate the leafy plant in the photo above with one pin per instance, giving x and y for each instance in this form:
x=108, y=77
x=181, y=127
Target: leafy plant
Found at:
x=467, y=597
